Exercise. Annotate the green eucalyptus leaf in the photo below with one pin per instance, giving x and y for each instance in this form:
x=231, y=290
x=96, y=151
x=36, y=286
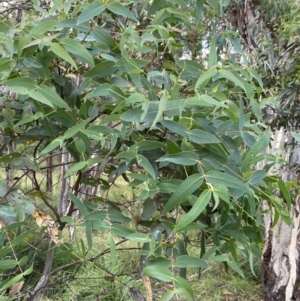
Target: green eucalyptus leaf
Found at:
x=202, y=137
x=62, y=53
x=8, y=264
x=219, y=178
x=91, y=10
x=184, y=158
x=187, y=187
x=118, y=9
x=158, y=272
x=175, y=127
x=195, y=211
x=78, y=50
x=187, y=261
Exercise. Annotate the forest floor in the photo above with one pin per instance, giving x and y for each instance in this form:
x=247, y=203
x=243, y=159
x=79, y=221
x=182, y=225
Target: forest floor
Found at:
x=94, y=281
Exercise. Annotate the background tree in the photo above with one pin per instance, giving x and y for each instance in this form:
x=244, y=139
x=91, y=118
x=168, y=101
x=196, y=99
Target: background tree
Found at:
x=269, y=32
x=157, y=93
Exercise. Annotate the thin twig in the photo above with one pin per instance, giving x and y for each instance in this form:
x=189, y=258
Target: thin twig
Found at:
x=86, y=260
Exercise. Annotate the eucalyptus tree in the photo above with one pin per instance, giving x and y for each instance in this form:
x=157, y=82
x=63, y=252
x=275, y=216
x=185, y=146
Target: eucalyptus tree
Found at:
x=269, y=30
x=128, y=87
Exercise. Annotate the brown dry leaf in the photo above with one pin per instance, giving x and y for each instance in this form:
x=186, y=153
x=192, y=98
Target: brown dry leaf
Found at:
x=147, y=285
x=109, y=278
x=45, y=220
x=15, y=288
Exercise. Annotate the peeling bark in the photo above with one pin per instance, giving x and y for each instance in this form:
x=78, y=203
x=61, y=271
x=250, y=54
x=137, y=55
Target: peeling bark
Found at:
x=281, y=253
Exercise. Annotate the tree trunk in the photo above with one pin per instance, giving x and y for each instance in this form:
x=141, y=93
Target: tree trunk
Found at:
x=65, y=182
x=281, y=253
x=49, y=179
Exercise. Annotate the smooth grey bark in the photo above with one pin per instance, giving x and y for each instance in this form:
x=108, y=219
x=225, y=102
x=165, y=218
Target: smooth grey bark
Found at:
x=281, y=253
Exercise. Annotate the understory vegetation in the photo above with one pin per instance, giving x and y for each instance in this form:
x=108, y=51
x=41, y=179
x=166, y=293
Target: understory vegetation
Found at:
x=131, y=133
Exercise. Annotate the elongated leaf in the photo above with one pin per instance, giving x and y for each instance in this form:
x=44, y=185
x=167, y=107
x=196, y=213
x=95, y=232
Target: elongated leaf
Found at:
x=175, y=127
x=187, y=261
x=51, y=146
x=235, y=267
x=256, y=109
x=37, y=95
x=233, y=249
x=257, y=176
x=104, y=37
x=230, y=76
x=148, y=145
x=187, y=187
x=74, y=168
x=20, y=85
x=204, y=101
x=296, y=136
x=144, y=162
x=118, y=9
x=168, y=295
x=202, y=137
x=43, y=27
x=93, y=9
x=184, y=158
x=9, y=282
x=8, y=264
x=81, y=207
x=159, y=273
x=196, y=210
x=102, y=69
x=78, y=49
x=20, y=238
x=6, y=159
x=172, y=147
x=183, y=288
x=51, y=96
x=120, y=230
x=93, y=135
x=113, y=215
x=5, y=62
x=204, y=79
x=139, y=237
x=75, y=129
x=129, y=155
x=285, y=192
x=102, y=90
x=161, y=107
x=256, y=149
x=255, y=75
x=45, y=40
x=241, y=118
x=219, y=178
x=62, y=53
x=219, y=258
x=213, y=59
x=155, y=6
x=88, y=233
x=180, y=14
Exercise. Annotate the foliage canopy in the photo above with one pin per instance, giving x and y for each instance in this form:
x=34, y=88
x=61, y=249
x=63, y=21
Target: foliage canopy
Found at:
x=155, y=92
